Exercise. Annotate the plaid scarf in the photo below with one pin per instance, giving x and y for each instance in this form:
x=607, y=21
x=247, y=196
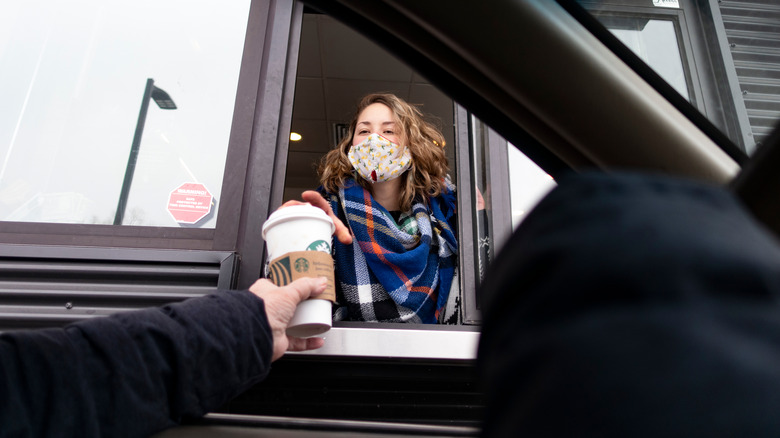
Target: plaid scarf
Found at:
x=395, y=272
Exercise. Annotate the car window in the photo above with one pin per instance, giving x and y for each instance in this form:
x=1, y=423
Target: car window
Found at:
x=117, y=113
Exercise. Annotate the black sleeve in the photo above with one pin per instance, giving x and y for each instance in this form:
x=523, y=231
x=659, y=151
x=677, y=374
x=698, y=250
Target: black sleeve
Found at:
x=133, y=373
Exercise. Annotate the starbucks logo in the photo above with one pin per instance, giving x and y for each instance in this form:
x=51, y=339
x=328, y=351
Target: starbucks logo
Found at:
x=319, y=245
x=301, y=265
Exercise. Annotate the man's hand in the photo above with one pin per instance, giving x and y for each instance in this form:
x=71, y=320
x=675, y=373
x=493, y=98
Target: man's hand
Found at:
x=280, y=304
x=314, y=198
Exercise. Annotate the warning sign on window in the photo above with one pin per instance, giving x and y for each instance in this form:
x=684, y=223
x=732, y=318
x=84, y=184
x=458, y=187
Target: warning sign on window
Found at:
x=189, y=203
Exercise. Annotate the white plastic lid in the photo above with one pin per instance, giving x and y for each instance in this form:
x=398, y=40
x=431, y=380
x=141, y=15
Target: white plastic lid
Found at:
x=307, y=211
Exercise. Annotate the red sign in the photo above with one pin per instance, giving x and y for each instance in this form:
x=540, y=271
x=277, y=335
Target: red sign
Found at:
x=189, y=203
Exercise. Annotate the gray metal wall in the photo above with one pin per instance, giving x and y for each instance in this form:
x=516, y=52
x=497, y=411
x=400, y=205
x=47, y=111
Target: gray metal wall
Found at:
x=753, y=32
x=52, y=286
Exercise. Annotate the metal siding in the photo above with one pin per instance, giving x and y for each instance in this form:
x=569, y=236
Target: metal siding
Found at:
x=753, y=32
x=45, y=287
x=369, y=389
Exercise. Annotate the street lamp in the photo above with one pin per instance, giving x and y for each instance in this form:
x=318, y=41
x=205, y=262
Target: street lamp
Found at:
x=164, y=101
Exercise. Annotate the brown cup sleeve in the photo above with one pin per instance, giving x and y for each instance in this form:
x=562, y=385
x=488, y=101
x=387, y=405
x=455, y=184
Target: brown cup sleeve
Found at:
x=299, y=264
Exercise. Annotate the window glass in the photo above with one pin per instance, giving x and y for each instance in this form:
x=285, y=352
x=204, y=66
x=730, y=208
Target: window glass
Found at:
x=655, y=41
x=75, y=77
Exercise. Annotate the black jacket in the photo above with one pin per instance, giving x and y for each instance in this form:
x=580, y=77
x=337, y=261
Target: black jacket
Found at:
x=134, y=373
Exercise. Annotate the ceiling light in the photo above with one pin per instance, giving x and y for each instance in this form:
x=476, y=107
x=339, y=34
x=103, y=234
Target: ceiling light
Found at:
x=294, y=136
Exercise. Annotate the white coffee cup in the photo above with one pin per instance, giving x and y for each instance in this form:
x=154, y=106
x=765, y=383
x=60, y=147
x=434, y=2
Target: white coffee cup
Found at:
x=298, y=240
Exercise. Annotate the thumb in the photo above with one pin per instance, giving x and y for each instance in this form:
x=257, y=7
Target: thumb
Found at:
x=308, y=287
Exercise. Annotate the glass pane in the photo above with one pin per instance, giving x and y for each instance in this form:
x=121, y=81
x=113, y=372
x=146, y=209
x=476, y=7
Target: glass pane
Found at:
x=74, y=78
x=655, y=41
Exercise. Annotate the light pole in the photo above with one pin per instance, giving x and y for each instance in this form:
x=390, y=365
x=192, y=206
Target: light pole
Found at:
x=164, y=101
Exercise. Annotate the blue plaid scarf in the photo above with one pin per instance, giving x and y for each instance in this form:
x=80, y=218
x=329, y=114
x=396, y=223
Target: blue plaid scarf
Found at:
x=392, y=273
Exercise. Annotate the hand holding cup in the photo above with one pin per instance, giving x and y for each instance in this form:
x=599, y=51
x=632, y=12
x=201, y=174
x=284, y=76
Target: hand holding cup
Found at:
x=298, y=239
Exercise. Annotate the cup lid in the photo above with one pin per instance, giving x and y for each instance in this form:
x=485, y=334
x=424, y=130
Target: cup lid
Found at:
x=307, y=211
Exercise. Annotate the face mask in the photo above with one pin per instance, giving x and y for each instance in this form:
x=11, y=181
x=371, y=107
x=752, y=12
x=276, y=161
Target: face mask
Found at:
x=378, y=159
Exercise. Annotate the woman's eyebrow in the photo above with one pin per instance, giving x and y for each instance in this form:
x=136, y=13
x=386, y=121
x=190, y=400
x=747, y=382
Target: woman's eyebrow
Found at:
x=390, y=122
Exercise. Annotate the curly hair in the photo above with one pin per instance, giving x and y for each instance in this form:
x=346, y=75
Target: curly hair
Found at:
x=425, y=177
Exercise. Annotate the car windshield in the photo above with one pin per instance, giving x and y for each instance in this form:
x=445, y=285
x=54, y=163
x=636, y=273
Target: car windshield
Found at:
x=722, y=57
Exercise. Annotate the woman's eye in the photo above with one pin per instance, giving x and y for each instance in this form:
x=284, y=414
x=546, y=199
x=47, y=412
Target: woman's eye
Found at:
x=389, y=132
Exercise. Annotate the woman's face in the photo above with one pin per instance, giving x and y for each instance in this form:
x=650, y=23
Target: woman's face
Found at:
x=377, y=118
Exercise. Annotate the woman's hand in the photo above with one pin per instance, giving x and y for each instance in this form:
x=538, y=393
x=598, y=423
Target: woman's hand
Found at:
x=315, y=198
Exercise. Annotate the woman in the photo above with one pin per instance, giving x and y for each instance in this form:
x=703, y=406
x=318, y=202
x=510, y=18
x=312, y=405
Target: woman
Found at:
x=387, y=181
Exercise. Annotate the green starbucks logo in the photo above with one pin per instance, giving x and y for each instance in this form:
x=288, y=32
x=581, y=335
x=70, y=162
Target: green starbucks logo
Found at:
x=319, y=245
x=301, y=265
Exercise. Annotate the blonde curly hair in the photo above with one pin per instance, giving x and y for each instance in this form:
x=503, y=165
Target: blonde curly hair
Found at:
x=425, y=177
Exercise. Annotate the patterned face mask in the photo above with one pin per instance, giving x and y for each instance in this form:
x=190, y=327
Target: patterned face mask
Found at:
x=378, y=159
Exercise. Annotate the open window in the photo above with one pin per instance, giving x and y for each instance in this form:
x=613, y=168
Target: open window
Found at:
x=336, y=66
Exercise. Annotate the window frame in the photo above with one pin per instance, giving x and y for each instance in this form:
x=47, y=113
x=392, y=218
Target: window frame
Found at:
x=498, y=204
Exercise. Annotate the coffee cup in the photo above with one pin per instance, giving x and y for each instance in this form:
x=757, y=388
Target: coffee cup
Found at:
x=298, y=240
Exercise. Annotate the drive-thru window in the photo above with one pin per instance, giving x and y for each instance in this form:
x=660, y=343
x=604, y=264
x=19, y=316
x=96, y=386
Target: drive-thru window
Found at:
x=129, y=139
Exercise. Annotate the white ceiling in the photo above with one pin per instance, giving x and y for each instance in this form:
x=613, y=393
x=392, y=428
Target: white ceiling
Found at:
x=336, y=67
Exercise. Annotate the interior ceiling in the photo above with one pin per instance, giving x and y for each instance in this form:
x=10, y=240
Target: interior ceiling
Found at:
x=336, y=67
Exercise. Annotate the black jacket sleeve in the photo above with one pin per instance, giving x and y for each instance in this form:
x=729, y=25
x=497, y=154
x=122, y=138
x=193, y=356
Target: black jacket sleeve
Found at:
x=133, y=373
